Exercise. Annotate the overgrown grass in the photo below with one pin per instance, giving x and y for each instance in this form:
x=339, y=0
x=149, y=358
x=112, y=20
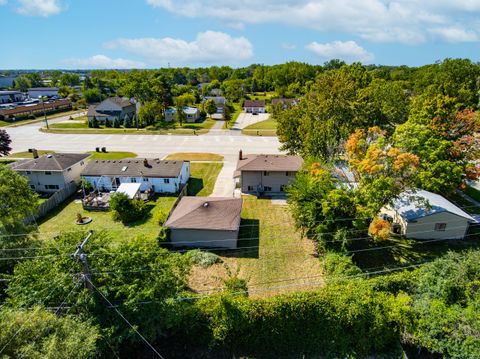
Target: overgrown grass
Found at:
x=63, y=219
x=194, y=156
x=271, y=253
x=202, y=178
x=111, y=155
x=27, y=154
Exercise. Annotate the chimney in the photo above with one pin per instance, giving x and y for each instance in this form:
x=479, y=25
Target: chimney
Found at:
x=240, y=155
x=34, y=153
x=145, y=163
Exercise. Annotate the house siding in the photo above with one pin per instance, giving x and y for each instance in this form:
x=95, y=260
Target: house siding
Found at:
x=256, y=181
x=204, y=238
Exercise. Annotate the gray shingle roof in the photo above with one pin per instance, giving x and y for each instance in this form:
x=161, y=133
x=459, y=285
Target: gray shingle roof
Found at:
x=211, y=213
x=254, y=103
x=269, y=163
x=51, y=162
x=411, y=209
x=134, y=167
x=121, y=101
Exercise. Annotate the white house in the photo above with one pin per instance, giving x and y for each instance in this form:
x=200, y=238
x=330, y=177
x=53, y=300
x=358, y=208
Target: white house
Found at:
x=11, y=96
x=192, y=114
x=426, y=215
x=111, y=108
x=51, y=172
x=36, y=92
x=159, y=176
x=254, y=106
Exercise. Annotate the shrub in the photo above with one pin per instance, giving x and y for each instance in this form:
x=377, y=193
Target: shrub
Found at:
x=202, y=258
x=160, y=217
x=126, y=210
x=337, y=264
x=108, y=123
x=116, y=122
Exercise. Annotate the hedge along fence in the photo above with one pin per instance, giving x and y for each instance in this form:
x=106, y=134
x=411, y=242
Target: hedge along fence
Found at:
x=336, y=321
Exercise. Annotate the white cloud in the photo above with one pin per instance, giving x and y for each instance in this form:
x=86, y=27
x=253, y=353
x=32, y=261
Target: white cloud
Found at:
x=208, y=47
x=404, y=21
x=455, y=34
x=348, y=51
x=39, y=7
x=103, y=62
x=3, y=2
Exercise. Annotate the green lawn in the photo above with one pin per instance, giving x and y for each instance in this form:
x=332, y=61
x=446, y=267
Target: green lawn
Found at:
x=202, y=178
x=194, y=156
x=71, y=124
x=263, y=128
x=26, y=121
x=272, y=255
x=111, y=155
x=176, y=129
x=63, y=219
x=262, y=95
x=237, y=111
x=27, y=154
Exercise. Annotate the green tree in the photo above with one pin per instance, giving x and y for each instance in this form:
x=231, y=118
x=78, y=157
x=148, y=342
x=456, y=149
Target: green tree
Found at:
x=38, y=333
x=149, y=113
x=22, y=83
x=210, y=107
x=116, y=122
x=92, y=95
x=125, y=209
x=5, y=142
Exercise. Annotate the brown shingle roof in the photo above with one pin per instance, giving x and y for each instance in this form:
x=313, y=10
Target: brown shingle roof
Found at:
x=254, y=103
x=51, y=162
x=269, y=163
x=120, y=101
x=134, y=167
x=213, y=213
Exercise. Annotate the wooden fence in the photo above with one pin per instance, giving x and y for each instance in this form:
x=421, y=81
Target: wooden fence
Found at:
x=54, y=201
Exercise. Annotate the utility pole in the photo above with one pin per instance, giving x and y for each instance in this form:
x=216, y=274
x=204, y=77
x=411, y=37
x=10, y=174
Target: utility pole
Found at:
x=44, y=112
x=82, y=258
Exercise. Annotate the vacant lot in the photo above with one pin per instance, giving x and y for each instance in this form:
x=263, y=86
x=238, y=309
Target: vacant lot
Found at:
x=271, y=254
x=194, y=156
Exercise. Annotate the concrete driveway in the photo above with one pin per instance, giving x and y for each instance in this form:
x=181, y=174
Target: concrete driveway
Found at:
x=247, y=119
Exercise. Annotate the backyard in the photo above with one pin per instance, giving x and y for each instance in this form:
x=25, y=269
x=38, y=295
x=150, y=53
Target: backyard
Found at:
x=271, y=254
x=202, y=178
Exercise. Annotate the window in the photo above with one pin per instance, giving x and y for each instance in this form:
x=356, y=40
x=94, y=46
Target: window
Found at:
x=48, y=172
x=166, y=180
x=287, y=174
x=250, y=188
x=32, y=186
x=69, y=169
x=28, y=172
x=267, y=189
x=440, y=227
x=133, y=180
x=51, y=186
x=283, y=188
x=266, y=173
x=82, y=163
x=145, y=179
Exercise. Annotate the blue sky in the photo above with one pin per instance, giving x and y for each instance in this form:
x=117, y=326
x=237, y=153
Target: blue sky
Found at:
x=47, y=34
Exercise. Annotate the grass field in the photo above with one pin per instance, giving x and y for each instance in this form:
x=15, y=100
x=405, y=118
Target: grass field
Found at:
x=111, y=155
x=38, y=119
x=82, y=128
x=271, y=253
x=202, y=178
x=63, y=219
x=27, y=154
x=263, y=128
x=194, y=156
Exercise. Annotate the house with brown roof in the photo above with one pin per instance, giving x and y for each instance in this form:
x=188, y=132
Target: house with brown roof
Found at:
x=254, y=106
x=51, y=172
x=152, y=173
x=208, y=222
x=266, y=174
x=111, y=108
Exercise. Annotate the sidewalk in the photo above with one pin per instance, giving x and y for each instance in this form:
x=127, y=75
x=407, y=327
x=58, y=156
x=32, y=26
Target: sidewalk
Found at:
x=224, y=186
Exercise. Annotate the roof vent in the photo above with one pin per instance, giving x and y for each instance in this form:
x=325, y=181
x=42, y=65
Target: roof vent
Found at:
x=124, y=168
x=49, y=156
x=205, y=204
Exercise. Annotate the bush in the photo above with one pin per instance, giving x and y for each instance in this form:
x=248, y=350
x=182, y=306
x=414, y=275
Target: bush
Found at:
x=116, y=122
x=338, y=265
x=202, y=258
x=160, y=217
x=108, y=123
x=126, y=210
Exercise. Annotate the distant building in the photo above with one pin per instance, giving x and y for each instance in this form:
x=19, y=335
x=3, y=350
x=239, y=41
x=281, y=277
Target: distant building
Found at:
x=254, y=106
x=208, y=222
x=7, y=81
x=111, y=108
x=52, y=172
x=11, y=97
x=192, y=114
x=153, y=174
x=220, y=102
x=34, y=109
x=284, y=102
x=36, y=92
x=426, y=215
x=266, y=173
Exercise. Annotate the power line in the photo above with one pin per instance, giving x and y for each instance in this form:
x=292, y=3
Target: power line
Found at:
x=126, y=320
